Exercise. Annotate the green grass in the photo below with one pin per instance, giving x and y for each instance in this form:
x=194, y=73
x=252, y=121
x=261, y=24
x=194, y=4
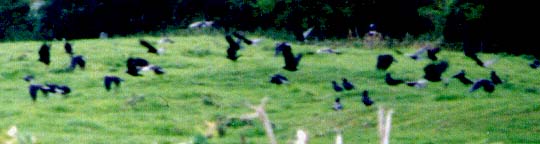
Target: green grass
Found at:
x=173, y=110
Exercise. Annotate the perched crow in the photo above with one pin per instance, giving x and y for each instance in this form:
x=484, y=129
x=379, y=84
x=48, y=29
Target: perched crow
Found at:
x=390, y=81
x=384, y=61
x=535, y=64
x=278, y=79
x=431, y=53
x=495, y=78
x=486, y=84
x=151, y=49
x=63, y=89
x=347, y=85
x=365, y=99
x=337, y=105
x=28, y=78
x=44, y=54
x=68, y=48
x=233, y=48
x=109, y=80
x=433, y=71
x=336, y=87
x=77, y=61
x=291, y=62
x=461, y=77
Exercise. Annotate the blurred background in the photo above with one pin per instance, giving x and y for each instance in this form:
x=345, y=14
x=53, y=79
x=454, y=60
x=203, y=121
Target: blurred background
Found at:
x=488, y=25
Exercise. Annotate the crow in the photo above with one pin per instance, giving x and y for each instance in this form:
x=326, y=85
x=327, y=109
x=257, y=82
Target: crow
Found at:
x=44, y=54
x=390, y=81
x=495, y=78
x=151, y=49
x=535, y=64
x=233, y=48
x=68, y=47
x=278, y=79
x=33, y=90
x=135, y=64
x=77, y=61
x=55, y=88
x=336, y=87
x=434, y=71
x=486, y=84
x=384, y=61
x=461, y=77
x=337, y=105
x=365, y=99
x=431, y=53
x=291, y=62
x=347, y=85
x=109, y=80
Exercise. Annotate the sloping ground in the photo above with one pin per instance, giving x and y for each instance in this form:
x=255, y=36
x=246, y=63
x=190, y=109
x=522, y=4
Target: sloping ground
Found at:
x=173, y=110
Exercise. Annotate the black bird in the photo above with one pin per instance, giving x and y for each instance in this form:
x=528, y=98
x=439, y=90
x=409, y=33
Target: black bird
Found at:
x=336, y=87
x=365, y=99
x=233, y=48
x=495, y=78
x=337, y=105
x=44, y=54
x=431, y=53
x=291, y=62
x=151, y=49
x=535, y=64
x=54, y=88
x=476, y=59
x=33, y=90
x=384, y=61
x=434, y=71
x=77, y=61
x=347, y=85
x=135, y=64
x=109, y=80
x=68, y=48
x=391, y=81
x=483, y=83
x=28, y=78
x=242, y=37
x=278, y=79
x=461, y=77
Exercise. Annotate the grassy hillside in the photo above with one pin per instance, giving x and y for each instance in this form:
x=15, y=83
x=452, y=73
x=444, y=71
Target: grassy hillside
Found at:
x=173, y=110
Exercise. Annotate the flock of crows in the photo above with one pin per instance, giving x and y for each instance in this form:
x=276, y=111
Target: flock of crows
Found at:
x=433, y=71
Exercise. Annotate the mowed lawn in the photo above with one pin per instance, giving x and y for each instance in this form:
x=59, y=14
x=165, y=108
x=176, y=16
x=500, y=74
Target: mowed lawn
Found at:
x=173, y=110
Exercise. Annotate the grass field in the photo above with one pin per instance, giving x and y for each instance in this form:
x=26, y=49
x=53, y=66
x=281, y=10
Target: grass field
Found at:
x=173, y=110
